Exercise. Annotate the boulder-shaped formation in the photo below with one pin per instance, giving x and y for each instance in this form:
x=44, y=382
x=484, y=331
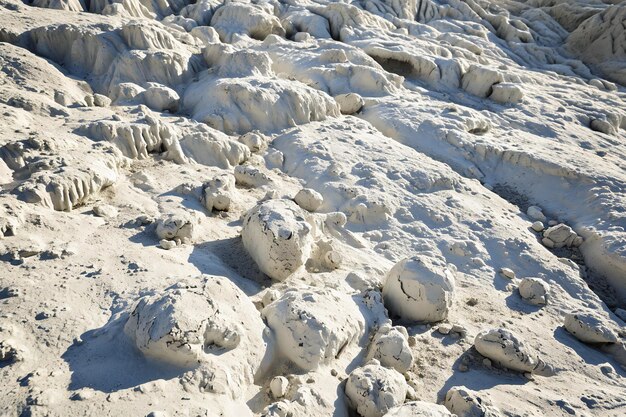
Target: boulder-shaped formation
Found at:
x=278, y=237
x=506, y=93
x=210, y=322
x=509, y=351
x=250, y=176
x=245, y=19
x=279, y=386
x=480, y=80
x=589, y=327
x=464, y=402
x=420, y=409
x=161, y=98
x=561, y=235
x=175, y=226
x=255, y=141
x=349, y=103
x=390, y=347
x=534, y=291
x=417, y=289
x=309, y=199
x=217, y=193
x=241, y=104
x=314, y=326
x=536, y=213
x=373, y=390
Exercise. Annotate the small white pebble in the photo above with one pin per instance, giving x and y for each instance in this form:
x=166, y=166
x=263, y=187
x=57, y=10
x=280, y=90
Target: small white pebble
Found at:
x=537, y=226
x=167, y=244
x=507, y=273
x=444, y=328
x=279, y=386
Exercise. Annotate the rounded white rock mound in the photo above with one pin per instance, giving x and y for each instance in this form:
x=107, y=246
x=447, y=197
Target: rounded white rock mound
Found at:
x=417, y=289
x=390, y=346
x=314, y=326
x=464, y=402
x=161, y=98
x=373, y=390
x=255, y=141
x=175, y=227
x=279, y=386
x=588, y=327
x=561, y=235
x=506, y=93
x=536, y=213
x=218, y=193
x=309, y=199
x=211, y=321
x=349, y=103
x=250, y=176
x=509, y=351
x=253, y=20
x=480, y=81
x=278, y=237
x=534, y=291
x=419, y=408
x=127, y=93
x=240, y=104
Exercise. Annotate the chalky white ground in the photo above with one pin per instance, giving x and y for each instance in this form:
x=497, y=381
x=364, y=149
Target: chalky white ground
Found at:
x=471, y=144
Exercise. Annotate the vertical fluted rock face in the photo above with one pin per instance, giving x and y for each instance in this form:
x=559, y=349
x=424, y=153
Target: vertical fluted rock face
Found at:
x=599, y=41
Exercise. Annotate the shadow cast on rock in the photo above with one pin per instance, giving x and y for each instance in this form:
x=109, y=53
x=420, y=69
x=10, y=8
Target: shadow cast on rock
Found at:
x=228, y=258
x=146, y=237
x=108, y=361
x=588, y=353
x=479, y=377
x=515, y=302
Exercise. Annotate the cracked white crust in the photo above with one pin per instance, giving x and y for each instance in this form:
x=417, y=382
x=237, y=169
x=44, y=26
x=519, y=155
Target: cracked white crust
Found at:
x=417, y=289
x=314, y=326
x=278, y=237
x=373, y=390
x=508, y=350
x=201, y=325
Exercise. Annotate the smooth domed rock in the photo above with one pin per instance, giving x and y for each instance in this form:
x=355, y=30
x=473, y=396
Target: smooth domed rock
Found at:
x=417, y=289
x=160, y=98
x=534, y=291
x=536, y=213
x=278, y=237
x=509, y=351
x=309, y=199
x=279, y=386
x=589, y=327
x=349, y=103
